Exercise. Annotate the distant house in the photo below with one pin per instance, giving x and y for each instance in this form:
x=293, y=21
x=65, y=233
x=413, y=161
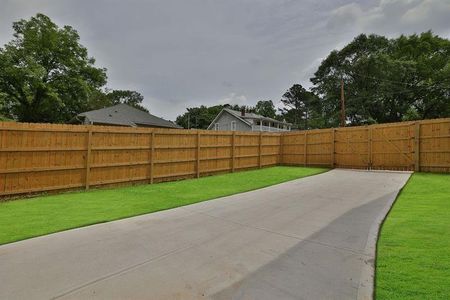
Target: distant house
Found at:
x=229, y=119
x=122, y=115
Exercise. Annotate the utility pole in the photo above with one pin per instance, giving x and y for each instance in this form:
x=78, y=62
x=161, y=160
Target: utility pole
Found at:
x=342, y=104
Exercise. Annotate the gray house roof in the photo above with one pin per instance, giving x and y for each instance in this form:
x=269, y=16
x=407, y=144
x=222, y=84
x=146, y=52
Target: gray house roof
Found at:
x=253, y=116
x=125, y=115
x=246, y=118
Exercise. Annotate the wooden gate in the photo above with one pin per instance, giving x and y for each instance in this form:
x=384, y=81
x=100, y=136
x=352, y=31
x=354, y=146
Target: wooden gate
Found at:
x=392, y=147
x=406, y=146
x=377, y=147
x=352, y=148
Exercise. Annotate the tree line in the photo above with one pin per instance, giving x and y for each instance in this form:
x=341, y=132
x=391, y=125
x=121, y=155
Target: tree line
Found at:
x=385, y=80
x=46, y=75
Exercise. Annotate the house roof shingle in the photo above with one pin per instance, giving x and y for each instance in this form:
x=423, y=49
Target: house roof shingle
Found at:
x=252, y=116
x=125, y=115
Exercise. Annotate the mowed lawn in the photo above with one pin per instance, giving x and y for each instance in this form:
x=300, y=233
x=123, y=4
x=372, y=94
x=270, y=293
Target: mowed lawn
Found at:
x=21, y=219
x=413, y=256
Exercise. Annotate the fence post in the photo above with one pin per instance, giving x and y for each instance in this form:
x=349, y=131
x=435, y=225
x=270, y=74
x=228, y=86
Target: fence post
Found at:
x=198, y=154
x=88, y=157
x=369, y=147
x=280, y=149
x=305, y=149
x=417, y=147
x=152, y=160
x=150, y=157
x=233, y=150
x=333, y=134
x=260, y=150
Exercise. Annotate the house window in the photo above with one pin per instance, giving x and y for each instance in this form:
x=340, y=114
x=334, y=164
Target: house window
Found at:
x=258, y=122
x=233, y=125
x=216, y=126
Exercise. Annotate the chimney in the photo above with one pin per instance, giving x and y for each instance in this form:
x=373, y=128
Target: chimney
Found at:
x=243, y=111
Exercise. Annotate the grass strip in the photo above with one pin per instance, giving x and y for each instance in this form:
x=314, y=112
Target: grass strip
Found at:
x=413, y=260
x=26, y=218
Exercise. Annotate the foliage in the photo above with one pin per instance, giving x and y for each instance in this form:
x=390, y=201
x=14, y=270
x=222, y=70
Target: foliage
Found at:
x=265, y=108
x=386, y=80
x=27, y=218
x=238, y=107
x=4, y=111
x=198, y=117
x=412, y=251
x=100, y=99
x=131, y=98
x=411, y=114
x=3, y=118
x=299, y=106
x=47, y=76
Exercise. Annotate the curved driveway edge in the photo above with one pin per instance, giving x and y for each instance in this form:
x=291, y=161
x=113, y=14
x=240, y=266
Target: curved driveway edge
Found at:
x=367, y=278
x=311, y=238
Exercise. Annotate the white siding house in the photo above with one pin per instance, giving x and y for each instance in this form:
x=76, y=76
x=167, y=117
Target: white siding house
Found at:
x=229, y=119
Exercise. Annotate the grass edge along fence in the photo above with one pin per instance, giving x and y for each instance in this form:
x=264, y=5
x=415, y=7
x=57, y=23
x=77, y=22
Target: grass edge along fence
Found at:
x=51, y=157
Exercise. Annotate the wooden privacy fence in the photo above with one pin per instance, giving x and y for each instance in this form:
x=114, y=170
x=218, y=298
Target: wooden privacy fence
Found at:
x=46, y=157
x=420, y=146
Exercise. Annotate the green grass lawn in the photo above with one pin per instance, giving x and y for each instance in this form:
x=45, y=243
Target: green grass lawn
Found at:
x=22, y=219
x=413, y=254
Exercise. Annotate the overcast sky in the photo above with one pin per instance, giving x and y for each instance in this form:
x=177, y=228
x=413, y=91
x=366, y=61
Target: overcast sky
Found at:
x=184, y=53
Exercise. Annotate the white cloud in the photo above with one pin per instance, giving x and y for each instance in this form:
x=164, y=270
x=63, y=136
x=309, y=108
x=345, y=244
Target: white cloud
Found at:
x=233, y=98
x=393, y=17
x=435, y=14
x=346, y=15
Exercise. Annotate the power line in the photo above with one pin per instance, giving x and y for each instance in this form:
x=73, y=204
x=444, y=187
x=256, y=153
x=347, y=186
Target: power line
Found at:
x=386, y=93
x=401, y=82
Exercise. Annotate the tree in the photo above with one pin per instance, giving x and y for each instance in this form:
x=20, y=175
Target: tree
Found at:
x=265, y=108
x=386, y=80
x=131, y=98
x=4, y=111
x=237, y=107
x=429, y=74
x=46, y=73
x=198, y=117
x=299, y=106
x=98, y=99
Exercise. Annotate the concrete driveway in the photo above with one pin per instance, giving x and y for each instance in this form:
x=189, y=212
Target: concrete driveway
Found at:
x=311, y=238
